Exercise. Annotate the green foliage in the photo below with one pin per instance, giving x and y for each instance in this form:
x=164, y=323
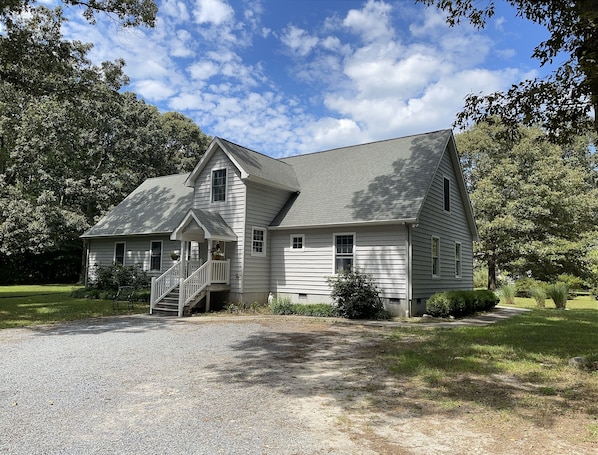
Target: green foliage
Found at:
x=507, y=293
x=356, y=295
x=523, y=286
x=284, y=306
x=480, y=278
x=535, y=203
x=72, y=144
x=574, y=283
x=538, y=293
x=109, y=278
x=460, y=303
x=573, y=32
x=559, y=293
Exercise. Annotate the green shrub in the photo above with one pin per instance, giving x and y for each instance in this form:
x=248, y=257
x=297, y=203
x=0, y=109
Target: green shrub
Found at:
x=110, y=277
x=460, y=303
x=507, y=294
x=356, y=295
x=480, y=278
x=558, y=292
x=523, y=286
x=539, y=295
x=573, y=282
x=284, y=306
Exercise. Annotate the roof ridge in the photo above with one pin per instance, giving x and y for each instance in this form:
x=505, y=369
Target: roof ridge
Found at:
x=366, y=143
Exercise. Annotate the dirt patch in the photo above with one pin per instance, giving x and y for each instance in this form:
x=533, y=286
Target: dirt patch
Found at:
x=334, y=378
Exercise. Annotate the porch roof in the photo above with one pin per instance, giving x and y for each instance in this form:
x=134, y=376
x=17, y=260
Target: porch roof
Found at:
x=211, y=223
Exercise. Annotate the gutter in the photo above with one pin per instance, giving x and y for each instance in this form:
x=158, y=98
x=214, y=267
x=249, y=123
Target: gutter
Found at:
x=409, y=270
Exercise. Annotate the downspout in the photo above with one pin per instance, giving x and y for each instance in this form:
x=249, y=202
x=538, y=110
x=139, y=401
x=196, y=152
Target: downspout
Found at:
x=409, y=271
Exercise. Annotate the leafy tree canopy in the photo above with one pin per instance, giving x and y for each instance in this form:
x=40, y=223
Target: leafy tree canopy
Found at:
x=72, y=144
x=535, y=202
x=565, y=101
x=129, y=12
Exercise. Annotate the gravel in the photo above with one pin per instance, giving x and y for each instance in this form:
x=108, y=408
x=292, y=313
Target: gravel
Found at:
x=147, y=385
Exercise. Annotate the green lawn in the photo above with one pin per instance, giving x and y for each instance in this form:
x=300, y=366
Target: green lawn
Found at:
x=583, y=301
x=22, y=306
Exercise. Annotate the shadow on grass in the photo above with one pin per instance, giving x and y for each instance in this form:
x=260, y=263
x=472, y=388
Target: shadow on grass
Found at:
x=518, y=365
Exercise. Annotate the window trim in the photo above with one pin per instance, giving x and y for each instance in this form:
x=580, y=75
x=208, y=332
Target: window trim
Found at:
x=124, y=244
x=262, y=253
x=212, y=200
x=151, y=255
x=334, y=252
x=292, y=242
x=446, y=194
x=437, y=257
x=458, y=260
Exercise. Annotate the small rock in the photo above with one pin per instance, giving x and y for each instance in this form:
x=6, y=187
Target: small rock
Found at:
x=578, y=362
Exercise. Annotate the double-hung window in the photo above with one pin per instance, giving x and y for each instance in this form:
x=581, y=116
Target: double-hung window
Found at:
x=119, y=253
x=156, y=255
x=344, y=252
x=458, y=260
x=258, y=241
x=435, y=256
x=219, y=185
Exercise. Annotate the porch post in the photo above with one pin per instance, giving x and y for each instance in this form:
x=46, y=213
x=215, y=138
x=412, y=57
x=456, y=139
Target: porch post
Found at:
x=183, y=259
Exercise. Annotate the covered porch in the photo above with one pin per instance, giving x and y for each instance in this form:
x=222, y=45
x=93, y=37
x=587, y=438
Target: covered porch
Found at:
x=202, y=265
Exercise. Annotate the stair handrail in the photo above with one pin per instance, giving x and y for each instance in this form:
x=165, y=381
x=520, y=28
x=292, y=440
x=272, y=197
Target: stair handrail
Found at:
x=165, y=283
x=191, y=286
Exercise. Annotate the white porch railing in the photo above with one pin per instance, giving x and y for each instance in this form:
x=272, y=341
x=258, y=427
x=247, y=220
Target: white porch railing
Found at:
x=191, y=287
x=195, y=279
x=163, y=284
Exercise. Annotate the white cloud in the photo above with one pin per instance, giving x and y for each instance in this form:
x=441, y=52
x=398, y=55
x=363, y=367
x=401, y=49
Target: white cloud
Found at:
x=214, y=12
x=203, y=70
x=175, y=10
x=153, y=90
x=298, y=40
x=372, y=22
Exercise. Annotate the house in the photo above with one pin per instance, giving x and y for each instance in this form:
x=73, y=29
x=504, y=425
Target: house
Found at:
x=243, y=225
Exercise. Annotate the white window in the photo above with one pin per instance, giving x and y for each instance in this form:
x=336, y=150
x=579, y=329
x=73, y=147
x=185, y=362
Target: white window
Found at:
x=156, y=255
x=297, y=242
x=344, y=252
x=447, y=195
x=435, y=256
x=458, y=260
x=219, y=185
x=258, y=241
x=119, y=253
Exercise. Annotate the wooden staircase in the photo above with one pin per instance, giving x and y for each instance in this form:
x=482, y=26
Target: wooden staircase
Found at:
x=169, y=305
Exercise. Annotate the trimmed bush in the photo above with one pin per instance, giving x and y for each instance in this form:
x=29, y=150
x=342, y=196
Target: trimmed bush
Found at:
x=356, y=295
x=110, y=277
x=460, y=303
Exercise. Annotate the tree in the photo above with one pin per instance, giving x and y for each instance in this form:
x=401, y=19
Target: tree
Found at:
x=564, y=102
x=535, y=202
x=129, y=12
x=72, y=145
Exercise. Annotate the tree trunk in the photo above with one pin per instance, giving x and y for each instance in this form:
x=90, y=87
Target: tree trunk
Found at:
x=491, y=274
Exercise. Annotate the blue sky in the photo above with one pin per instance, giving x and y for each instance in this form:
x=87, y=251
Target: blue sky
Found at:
x=292, y=76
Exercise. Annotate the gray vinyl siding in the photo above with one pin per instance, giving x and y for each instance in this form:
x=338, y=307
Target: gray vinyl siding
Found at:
x=137, y=253
x=449, y=227
x=232, y=210
x=263, y=204
x=379, y=251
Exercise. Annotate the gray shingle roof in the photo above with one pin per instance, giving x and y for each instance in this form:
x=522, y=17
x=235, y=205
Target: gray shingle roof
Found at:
x=379, y=181
x=263, y=167
x=156, y=206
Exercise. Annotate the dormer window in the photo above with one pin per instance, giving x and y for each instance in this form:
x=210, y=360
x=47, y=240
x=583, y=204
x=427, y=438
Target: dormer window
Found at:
x=219, y=185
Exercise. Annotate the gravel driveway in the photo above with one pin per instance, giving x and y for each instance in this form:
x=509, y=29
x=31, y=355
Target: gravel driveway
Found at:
x=147, y=385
